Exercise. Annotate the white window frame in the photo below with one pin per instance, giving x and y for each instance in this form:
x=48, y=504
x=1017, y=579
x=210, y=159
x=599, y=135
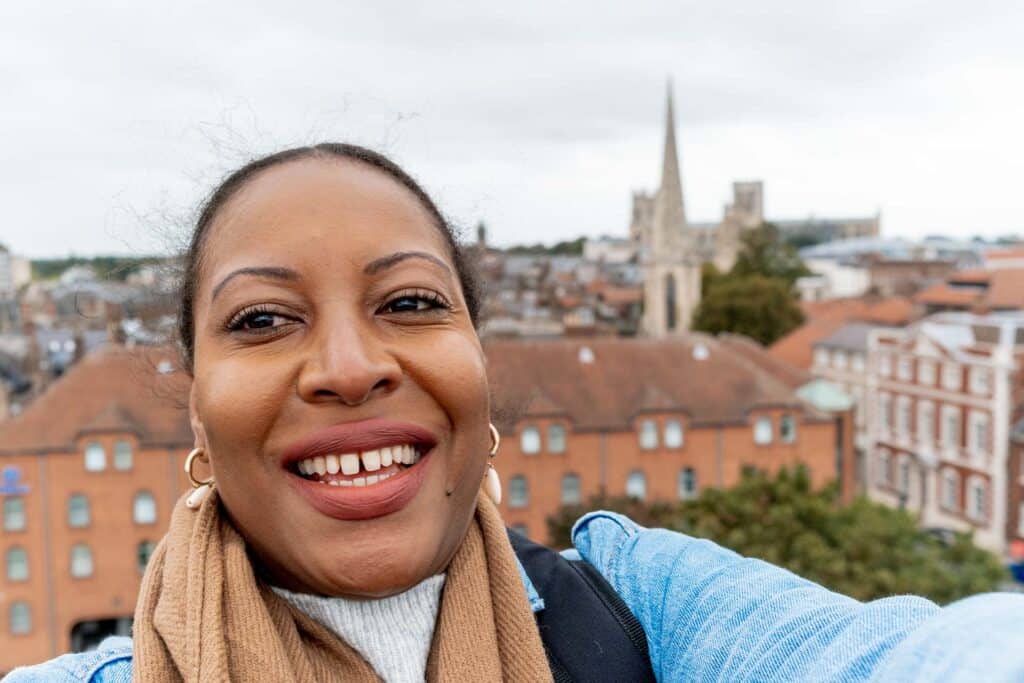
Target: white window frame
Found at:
x=16, y=572
x=905, y=368
x=903, y=474
x=648, y=434
x=926, y=372
x=530, y=440
x=858, y=363
x=764, y=430
x=557, y=438
x=979, y=380
x=951, y=376
x=95, y=457
x=675, y=434
x=885, y=411
x=884, y=475
x=123, y=455
x=951, y=437
x=974, y=485
x=980, y=426
x=840, y=361
x=15, y=517
x=575, y=499
x=885, y=364
x=950, y=489
x=925, y=422
x=636, y=485
x=789, y=419
x=144, y=508
x=687, y=484
x=904, y=417
x=82, y=563
x=19, y=618
x=821, y=357
x=518, y=498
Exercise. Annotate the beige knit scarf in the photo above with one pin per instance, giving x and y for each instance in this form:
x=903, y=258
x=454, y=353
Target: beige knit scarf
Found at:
x=203, y=615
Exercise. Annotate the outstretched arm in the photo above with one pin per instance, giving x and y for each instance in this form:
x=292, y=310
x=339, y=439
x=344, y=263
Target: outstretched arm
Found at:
x=711, y=615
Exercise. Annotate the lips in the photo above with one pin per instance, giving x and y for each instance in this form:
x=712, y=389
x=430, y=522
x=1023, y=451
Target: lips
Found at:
x=313, y=466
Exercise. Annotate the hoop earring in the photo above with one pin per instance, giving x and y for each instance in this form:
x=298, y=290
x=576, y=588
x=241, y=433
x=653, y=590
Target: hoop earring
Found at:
x=202, y=488
x=492, y=482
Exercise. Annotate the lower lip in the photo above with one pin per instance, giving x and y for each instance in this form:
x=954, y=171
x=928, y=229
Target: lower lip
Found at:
x=352, y=503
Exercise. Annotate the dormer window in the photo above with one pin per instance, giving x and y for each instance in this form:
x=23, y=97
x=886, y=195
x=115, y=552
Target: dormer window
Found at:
x=763, y=431
x=95, y=457
x=673, y=434
x=556, y=438
x=648, y=435
x=529, y=440
x=122, y=455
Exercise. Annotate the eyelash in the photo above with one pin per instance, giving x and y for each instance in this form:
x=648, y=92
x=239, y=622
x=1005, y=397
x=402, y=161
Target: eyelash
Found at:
x=433, y=300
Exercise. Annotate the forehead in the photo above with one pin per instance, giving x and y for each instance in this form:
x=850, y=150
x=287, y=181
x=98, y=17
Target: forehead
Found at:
x=319, y=209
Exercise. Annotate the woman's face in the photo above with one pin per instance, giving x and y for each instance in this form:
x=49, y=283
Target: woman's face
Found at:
x=331, y=338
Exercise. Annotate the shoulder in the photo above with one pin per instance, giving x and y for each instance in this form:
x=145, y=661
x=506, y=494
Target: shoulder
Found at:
x=111, y=662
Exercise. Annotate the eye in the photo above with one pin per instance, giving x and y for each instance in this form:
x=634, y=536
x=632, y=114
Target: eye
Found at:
x=419, y=301
x=257, y=320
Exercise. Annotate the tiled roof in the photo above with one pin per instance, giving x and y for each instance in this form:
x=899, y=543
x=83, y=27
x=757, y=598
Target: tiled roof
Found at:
x=788, y=374
x=111, y=389
x=797, y=347
x=621, y=377
x=999, y=289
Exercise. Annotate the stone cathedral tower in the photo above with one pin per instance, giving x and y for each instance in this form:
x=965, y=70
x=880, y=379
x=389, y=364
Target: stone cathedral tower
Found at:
x=668, y=255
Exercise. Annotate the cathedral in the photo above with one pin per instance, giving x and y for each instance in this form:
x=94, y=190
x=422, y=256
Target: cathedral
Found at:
x=671, y=250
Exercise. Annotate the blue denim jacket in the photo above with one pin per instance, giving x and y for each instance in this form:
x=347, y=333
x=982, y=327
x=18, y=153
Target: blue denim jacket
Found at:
x=711, y=615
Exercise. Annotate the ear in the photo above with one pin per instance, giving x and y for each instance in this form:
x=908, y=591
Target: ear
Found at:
x=198, y=431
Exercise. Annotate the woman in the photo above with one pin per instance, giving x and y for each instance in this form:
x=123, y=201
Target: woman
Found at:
x=342, y=527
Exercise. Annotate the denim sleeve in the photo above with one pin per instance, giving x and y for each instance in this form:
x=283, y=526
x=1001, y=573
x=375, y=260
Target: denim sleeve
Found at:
x=111, y=662
x=711, y=615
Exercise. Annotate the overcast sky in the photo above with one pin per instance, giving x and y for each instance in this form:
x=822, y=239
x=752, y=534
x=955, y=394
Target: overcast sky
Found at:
x=539, y=118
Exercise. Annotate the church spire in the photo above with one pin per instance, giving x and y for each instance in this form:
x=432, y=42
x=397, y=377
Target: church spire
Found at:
x=670, y=211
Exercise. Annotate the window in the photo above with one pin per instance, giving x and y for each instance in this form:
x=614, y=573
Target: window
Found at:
x=122, y=455
x=763, y=430
x=821, y=357
x=20, y=618
x=979, y=433
x=978, y=504
x=951, y=376
x=903, y=423
x=925, y=422
x=950, y=489
x=144, y=508
x=521, y=530
x=145, y=551
x=979, y=380
x=905, y=368
x=14, y=513
x=687, y=483
x=884, y=459
x=95, y=458
x=17, y=564
x=518, y=493
x=636, y=485
x=926, y=372
x=529, y=440
x=904, y=480
x=674, y=434
x=787, y=429
x=571, y=489
x=648, y=435
x=884, y=413
x=839, y=359
x=858, y=363
x=81, y=561
x=885, y=365
x=1020, y=520
x=556, y=439
x=78, y=511
x=951, y=426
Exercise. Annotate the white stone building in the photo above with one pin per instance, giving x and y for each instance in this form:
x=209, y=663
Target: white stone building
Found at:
x=942, y=397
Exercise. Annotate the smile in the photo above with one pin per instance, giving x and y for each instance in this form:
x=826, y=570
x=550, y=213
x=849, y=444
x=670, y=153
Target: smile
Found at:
x=359, y=469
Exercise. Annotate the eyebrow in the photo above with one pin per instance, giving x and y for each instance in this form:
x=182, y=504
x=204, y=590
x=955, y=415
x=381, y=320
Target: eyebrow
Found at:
x=385, y=262
x=274, y=273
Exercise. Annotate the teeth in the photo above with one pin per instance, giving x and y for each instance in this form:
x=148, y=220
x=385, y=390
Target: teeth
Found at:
x=350, y=464
x=371, y=461
x=332, y=464
x=385, y=457
x=372, y=479
x=359, y=481
x=320, y=465
x=344, y=482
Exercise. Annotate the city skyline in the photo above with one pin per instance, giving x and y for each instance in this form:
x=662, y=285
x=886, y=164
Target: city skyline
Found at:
x=540, y=124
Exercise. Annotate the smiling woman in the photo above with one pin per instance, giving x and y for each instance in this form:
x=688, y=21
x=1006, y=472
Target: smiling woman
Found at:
x=341, y=529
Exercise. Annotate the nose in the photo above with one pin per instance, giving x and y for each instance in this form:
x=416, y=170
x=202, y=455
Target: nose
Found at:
x=347, y=364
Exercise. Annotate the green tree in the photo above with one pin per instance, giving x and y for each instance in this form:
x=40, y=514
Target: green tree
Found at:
x=762, y=252
x=762, y=308
x=864, y=549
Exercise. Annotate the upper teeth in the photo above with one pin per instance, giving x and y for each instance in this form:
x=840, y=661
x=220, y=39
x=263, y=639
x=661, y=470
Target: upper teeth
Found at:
x=349, y=463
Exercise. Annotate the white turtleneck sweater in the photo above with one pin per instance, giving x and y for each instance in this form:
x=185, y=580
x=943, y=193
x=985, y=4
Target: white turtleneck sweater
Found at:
x=392, y=634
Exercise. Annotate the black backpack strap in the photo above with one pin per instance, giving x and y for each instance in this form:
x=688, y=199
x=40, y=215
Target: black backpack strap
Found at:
x=589, y=633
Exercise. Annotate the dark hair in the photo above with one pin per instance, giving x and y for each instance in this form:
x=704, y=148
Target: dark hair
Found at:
x=465, y=266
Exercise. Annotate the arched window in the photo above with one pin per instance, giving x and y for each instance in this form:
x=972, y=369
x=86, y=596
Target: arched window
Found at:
x=518, y=493
x=571, y=489
x=144, y=508
x=648, y=435
x=95, y=458
x=14, y=513
x=674, y=434
x=17, y=564
x=144, y=552
x=687, y=483
x=787, y=429
x=763, y=430
x=556, y=438
x=20, y=618
x=529, y=440
x=122, y=455
x=636, y=485
x=670, y=302
x=78, y=511
x=81, y=561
